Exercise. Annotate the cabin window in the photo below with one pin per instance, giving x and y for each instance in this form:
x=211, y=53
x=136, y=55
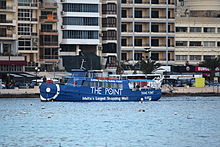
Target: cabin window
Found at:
x=101, y=84
x=86, y=83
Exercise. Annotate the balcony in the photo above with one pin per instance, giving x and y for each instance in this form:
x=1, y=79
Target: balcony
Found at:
x=7, y=9
x=28, y=4
x=48, y=32
x=8, y=36
x=49, y=5
x=49, y=18
x=8, y=22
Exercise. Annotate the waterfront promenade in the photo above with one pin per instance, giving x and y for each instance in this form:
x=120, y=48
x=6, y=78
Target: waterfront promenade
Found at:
x=167, y=91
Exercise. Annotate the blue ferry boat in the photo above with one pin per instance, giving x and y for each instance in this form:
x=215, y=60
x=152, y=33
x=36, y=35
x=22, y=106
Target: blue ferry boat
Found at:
x=83, y=86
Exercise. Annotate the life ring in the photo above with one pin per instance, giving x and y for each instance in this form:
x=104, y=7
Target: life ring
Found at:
x=74, y=82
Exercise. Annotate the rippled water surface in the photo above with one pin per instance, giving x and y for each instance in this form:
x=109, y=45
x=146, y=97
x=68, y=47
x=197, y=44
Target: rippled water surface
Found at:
x=170, y=122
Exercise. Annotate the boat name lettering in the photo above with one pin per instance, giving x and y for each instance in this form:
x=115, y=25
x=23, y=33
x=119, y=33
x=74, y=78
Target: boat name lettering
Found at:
x=100, y=80
x=108, y=91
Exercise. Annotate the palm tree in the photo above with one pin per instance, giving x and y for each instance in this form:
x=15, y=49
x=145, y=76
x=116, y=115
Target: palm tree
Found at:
x=147, y=67
x=211, y=64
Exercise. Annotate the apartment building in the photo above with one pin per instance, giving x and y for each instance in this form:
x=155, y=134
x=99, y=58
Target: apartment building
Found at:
x=9, y=60
x=80, y=31
x=109, y=33
x=28, y=32
x=147, y=31
x=48, y=36
x=197, y=31
x=8, y=27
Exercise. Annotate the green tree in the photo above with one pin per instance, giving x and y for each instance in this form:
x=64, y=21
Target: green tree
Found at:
x=147, y=66
x=211, y=64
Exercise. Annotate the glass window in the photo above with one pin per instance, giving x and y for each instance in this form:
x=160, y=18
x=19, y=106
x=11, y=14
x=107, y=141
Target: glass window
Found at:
x=80, y=34
x=195, y=29
x=181, y=57
x=208, y=57
x=209, y=43
x=181, y=43
x=86, y=21
x=155, y=42
x=138, y=13
x=218, y=30
x=195, y=43
x=155, y=14
x=124, y=56
x=138, y=1
x=77, y=7
x=138, y=27
x=138, y=42
x=123, y=27
x=137, y=56
x=154, y=56
x=124, y=42
x=181, y=29
x=124, y=14
x=154, y=28
x=195, y=57
x=209, y=30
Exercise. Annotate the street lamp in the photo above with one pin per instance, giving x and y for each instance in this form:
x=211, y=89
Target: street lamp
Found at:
x=149, y=53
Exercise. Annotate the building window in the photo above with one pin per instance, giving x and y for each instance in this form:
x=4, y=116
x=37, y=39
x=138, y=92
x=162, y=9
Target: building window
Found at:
x=123, y=1
x=123, y=56
x=137, y=56
x=181, y=43
x=209, y=30
x=77, y=7
x=46, y=27
x=123, y=42
x=108, y=22
x=25, y=29
x=138, y=14
x=154, y=42
x=154, y=28
x=24, y=14
x=218, y=44
x=86, y=21
x=218, y=30
x=181, y=57
x=2, y=4
x=154, y=56
x=123, y=27
x=109, y=8
x=138, y=28
x=154, y=1
x=209, y=43
x=49, y=53
x=80, y=34
x=195, y=29
x=181, y=29
x=208, y=57
x=195, y=57
x=124, y=14
x=138, y=1
x=138, y=42
x=195, y=43
x=49, y=40
x=155, y=14
x=109, y=35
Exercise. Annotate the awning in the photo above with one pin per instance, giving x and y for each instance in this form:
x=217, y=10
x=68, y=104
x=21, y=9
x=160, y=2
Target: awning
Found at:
x=13, y=62
x=16, y=75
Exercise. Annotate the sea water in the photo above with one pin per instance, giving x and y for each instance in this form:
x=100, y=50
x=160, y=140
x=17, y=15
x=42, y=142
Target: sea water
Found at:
x=170, y=122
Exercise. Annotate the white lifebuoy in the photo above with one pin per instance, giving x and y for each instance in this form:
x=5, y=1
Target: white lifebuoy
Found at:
x=52, y=98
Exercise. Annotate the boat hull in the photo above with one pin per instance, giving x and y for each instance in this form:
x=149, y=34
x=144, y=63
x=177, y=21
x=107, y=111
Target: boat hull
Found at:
x=71, y=93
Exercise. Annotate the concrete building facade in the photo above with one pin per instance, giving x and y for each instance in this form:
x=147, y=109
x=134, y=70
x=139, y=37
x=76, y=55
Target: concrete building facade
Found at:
x=147, y=31
x=197, y=31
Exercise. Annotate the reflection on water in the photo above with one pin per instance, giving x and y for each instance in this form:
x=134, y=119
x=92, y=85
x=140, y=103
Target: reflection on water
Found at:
x=182, y=121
